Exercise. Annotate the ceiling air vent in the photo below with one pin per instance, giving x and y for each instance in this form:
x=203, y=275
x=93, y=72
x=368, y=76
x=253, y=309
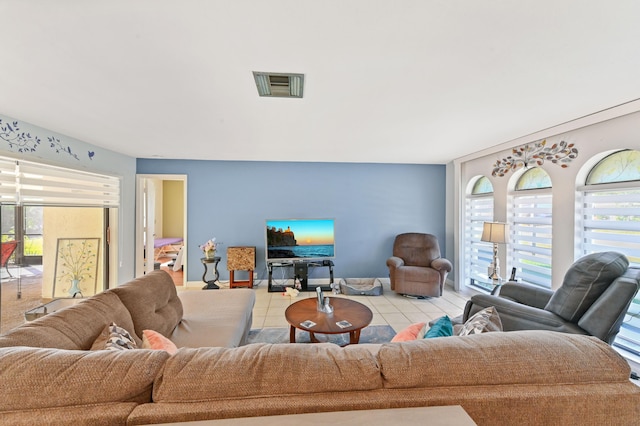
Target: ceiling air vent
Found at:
x=279, y=85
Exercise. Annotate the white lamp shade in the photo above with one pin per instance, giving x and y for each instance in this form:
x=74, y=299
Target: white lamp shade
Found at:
x=495, y=232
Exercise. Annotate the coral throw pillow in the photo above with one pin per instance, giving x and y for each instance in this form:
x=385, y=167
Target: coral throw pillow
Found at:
x=154, y=340
x=409, y=333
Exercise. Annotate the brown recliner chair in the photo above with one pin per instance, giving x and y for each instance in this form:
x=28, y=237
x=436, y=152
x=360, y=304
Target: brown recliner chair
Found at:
x=416, y=268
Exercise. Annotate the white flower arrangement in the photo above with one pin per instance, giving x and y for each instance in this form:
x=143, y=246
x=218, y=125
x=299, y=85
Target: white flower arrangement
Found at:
x=209, y=245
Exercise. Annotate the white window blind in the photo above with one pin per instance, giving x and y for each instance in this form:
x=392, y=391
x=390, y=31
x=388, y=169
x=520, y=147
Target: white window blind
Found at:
x=478, y=254
x=8, y=181
x=39, y=184
x=531, y=236
x=611, y=221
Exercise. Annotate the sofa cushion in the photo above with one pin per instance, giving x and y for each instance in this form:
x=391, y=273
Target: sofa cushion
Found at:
x=33, y=378
x=483, y=321
x=584, y=282
x=152, y=301
x=506, y=358
x=75, y=327
x=214, y=318
x=262, y=369
x=110, y=413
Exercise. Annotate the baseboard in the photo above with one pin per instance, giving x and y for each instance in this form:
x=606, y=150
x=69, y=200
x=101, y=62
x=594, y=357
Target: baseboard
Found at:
x=284, y=283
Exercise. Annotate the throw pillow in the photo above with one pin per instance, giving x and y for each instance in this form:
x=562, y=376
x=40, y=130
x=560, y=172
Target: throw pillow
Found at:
x=441, y=328
x=113, y=337
x=154, y=340
x=409, y=333
x=484, y=321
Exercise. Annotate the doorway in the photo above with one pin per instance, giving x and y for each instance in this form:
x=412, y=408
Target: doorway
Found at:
x=161, y=225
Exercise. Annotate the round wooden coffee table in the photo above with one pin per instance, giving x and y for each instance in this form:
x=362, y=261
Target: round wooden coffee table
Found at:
x=343, y=310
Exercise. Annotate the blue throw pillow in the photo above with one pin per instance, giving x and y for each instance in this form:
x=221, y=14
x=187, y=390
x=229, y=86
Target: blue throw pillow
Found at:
x=441, y=328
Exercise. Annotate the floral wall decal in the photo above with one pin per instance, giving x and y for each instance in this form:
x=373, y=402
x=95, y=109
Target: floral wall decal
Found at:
x=28, y=142
x=60, y=148
x=22, y=141
x=535, y=154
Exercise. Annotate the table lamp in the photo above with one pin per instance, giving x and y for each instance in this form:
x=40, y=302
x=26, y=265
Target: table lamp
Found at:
x=496, y=233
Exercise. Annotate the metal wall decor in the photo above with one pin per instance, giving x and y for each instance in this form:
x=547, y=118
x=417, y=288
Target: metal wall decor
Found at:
x=535, y=154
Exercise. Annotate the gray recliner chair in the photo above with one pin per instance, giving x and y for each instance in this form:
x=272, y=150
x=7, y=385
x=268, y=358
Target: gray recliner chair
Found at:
x=416, y=268
x=593, y=299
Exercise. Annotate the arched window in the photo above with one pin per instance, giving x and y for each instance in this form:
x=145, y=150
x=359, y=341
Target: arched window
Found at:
x=611, y=221
x=482, y=186
x=530, y=219
x=535, y=178
x=478, y=254
x=622, y=166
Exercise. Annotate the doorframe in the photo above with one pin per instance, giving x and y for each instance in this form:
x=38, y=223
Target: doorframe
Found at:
x=139, y=249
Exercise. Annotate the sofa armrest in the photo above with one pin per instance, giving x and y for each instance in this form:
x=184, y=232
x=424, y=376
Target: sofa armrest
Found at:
x=517, y=316
x=441, y=265
x=215, y=318
x=395, y=262
x=526, y=294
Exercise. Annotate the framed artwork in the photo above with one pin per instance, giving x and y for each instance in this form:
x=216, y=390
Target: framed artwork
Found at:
x=76, y=266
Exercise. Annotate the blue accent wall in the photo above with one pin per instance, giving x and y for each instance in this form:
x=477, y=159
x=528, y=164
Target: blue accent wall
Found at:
x=371, y=203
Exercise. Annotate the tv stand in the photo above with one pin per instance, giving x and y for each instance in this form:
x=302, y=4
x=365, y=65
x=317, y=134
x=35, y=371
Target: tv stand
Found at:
x=300, y=271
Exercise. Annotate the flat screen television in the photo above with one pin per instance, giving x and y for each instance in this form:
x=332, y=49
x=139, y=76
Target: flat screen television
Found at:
x=300, y=239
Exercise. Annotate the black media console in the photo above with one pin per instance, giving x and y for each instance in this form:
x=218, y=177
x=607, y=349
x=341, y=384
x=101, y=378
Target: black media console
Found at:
x=300, y=271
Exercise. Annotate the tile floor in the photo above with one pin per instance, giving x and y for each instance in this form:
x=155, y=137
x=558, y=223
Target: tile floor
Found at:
x=388, y=309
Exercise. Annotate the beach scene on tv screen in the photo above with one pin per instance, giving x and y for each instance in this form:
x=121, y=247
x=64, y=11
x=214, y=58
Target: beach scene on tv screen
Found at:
x=301, y=238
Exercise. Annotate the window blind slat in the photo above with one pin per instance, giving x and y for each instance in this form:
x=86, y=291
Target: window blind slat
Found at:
x=8, y=181
x=27, y=183
x=606, y=225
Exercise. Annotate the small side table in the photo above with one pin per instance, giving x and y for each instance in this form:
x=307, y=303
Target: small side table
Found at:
x=211, y=284
x=47, y=308
x=241, y=259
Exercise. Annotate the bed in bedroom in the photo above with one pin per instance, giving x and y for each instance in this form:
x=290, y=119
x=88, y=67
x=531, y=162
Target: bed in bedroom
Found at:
x=164, y=246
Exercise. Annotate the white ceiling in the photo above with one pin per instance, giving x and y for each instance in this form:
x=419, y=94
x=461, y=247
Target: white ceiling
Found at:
x=412, y=81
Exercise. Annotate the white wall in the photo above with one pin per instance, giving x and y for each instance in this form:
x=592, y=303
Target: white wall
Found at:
x=593, y=141
x=72, y=153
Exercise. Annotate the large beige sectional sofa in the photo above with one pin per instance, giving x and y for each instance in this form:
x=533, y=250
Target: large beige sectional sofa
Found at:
x=48, y=375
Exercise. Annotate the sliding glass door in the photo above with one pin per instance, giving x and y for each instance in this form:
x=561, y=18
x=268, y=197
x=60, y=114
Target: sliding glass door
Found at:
x=23, y=224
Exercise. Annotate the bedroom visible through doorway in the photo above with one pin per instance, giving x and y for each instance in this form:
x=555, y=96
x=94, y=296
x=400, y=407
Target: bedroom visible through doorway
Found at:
x=161, y=224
